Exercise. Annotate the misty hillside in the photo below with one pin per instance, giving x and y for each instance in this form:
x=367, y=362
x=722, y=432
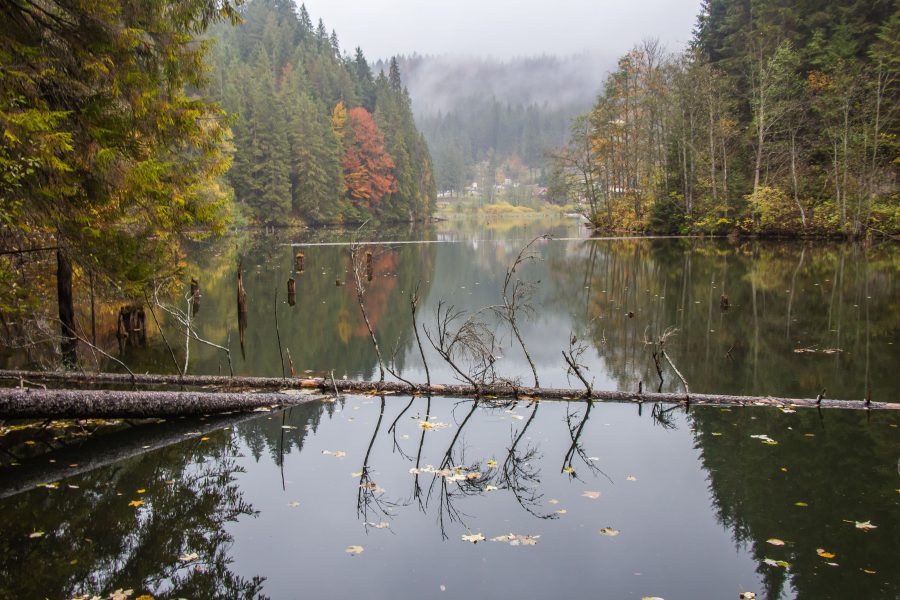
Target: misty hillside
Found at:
x=482, y=116
x=442, y=83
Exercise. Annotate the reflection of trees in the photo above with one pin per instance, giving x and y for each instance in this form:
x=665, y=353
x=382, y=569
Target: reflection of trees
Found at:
x=755, y=486
x=324, y=312
x=96, y=542
x=781, y=295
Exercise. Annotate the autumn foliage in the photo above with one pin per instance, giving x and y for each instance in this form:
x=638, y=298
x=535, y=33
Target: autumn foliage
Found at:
x=368, y=168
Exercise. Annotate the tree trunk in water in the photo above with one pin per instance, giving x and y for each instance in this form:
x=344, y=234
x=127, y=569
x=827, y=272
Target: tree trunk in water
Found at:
x=24, y=403
x=69, y=343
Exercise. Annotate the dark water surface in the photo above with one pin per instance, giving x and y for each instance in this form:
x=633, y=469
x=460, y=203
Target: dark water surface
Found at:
x=266, y=505
x=270, y=505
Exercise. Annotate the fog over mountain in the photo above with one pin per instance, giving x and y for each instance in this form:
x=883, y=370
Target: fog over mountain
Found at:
x=445, y=83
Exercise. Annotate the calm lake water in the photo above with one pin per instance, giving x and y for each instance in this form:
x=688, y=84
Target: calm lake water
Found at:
x=608, y=501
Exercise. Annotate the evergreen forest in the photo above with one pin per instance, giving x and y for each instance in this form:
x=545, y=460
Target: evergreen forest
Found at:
x=780, y=118
x=317, y=136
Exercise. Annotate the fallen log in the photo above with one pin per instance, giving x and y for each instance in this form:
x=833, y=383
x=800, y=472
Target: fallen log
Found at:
x=24, y=403
x=498, y=391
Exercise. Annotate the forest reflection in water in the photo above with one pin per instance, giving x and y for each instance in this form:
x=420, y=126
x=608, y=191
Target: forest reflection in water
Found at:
x=602, y=497
x=750, y=317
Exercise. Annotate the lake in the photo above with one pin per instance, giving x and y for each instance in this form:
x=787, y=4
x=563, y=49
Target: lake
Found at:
x=399, y=497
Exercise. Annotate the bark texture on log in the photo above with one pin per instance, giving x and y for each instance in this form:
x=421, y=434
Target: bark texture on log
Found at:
x=461, y=390
x=23, y=403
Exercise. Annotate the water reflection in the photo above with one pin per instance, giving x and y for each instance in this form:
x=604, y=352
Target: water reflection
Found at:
x=761, y=318
x=280, y=496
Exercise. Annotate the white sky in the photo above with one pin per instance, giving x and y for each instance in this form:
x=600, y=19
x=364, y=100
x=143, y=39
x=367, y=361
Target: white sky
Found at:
x=504, y=28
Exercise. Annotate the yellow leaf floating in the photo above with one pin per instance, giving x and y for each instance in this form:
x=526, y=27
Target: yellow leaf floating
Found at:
x=865, y=525
x=517, y=540
x=354, y=550
x=491, y=463
x=189, y=557
x=144, y=597
x=869, y=571
x=491, y=488
x=36, y=534
x=631, y=478
x=561, y=511
x=136, y=503
x=591, y=495
x=801, y=504
x=142, y=491
x=651, y=598
x=552, y=501
x=775, y=542
x=473, y=537
x=777, y=563
x=609, y=532
x=821, y=552
x=569, y=470
x=747, y=596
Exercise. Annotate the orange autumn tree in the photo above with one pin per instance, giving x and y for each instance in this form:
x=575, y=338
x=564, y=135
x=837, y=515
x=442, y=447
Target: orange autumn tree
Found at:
x=368, y=168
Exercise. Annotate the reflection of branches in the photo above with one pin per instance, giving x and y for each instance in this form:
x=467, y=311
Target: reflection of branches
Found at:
x=518, y=299
x=520, y=475
x=576, y=449
x=662, y=417
x=393, y=428
x=447, y=496
x=417, y=489
x=369, y=495
x=468, y=348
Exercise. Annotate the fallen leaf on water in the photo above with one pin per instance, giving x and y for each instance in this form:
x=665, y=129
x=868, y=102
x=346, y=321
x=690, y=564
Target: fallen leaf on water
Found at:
x=490, y=488
x=764, y=439
x=189, y=557
x=651, y=598
x=609, y=531
x=354, y=550
x=204, y=439
x=120, y=594
x=631, y=478
x=517, y=417
x=717, y=433
x=776, y=563
x=144, y=597
x=432, y=425
x=591, y=495
x=561, y=511
x=473, y=537
x=553, y=501
x=784, y=469
x=142, y=491
x=747, y=596
x=491, y=463
x=381, y=525
x=136, y=503
x=356, y=474
x=517, y=540
x=832, y=564
x=801, y=504
x=821, y=552
x=36, y=534
x=294, y=504
x=865, y=525
x=869, y=571
x=371, y=486
x=775, y=542
x=335, y=453
x=569, y=470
